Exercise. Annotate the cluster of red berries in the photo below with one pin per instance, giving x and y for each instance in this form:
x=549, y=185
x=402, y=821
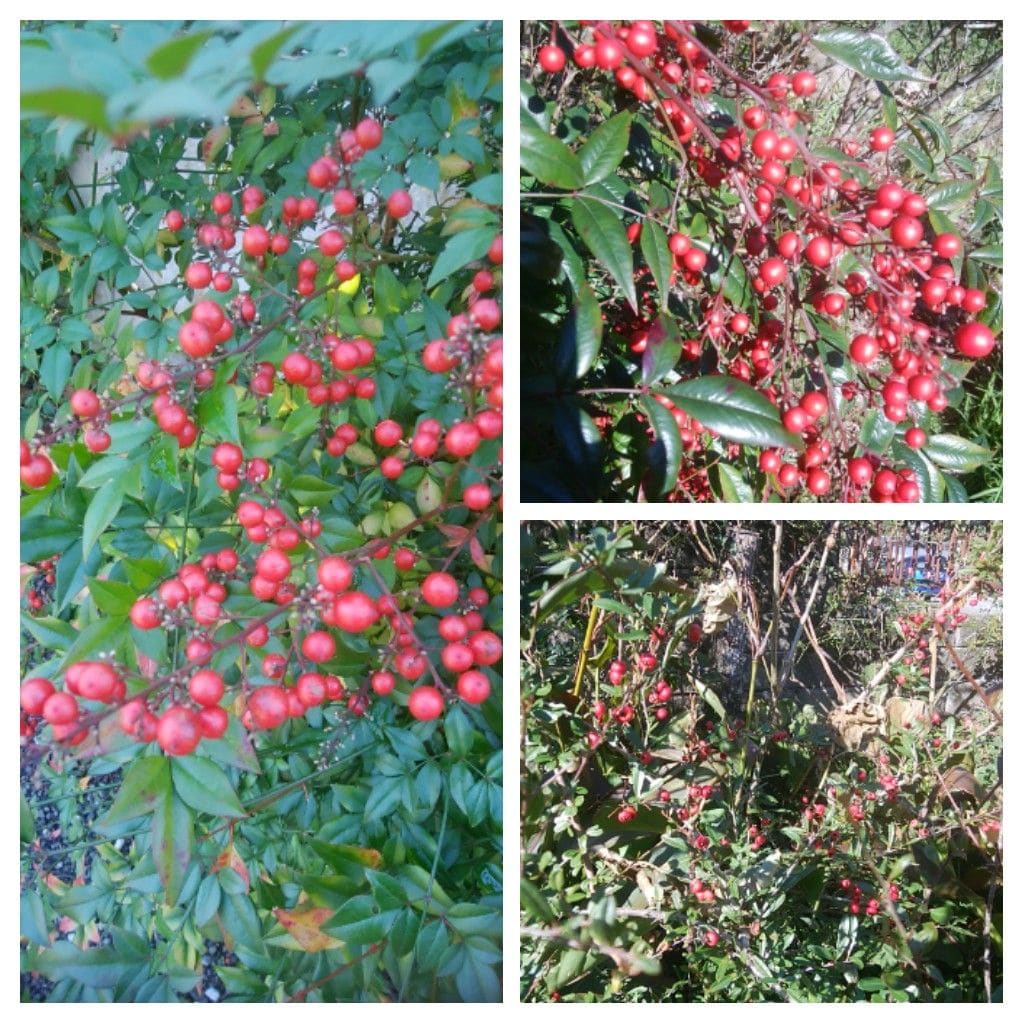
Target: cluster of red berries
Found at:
x=911, y=312
x=317, y=592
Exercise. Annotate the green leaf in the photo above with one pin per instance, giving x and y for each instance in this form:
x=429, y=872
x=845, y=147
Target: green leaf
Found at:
x=55, y=369
x=547, y=159
x=956, y=453
x=579, y=438
x=731, y=485
x=734, y=410
x=111, y=596
x=217, y=413
x=929, y=478
x=75, y=104
x=461, y=249
x=654, y=246
x=458, y=731
x=991, y=254
x=204, y=787
x=877, y=432
x=207, y=900
x=101, y=967
x=666, y=454
x=474, y=919
x=580, y=340
x=870, y=54
x=533, y=903
x=602, y=231
x=262, y=56
x=101, y=635
x=357, y=922
x=311, y=490
x=146, y=785
x=662, y=351
x=173, y=58
x=27, y=824
x=53, y=633
x=103, y=508
x=918, y=157
x=603, y=151
x=172, y=844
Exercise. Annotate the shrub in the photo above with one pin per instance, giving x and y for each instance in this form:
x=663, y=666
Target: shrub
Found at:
x=261, y=413
x=679, y=845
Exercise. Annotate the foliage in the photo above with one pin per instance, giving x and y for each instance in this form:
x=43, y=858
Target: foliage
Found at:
x=676, y=850
x=353, y=852
x=646, y=220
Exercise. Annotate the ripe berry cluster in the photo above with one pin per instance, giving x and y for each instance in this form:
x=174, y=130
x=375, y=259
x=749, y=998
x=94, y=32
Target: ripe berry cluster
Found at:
x=855, y=249
x=306, y=594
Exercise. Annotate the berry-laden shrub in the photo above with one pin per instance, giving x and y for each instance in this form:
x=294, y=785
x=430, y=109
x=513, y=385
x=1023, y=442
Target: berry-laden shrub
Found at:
x=682, y=846
x=262, y=416
x=758, y=265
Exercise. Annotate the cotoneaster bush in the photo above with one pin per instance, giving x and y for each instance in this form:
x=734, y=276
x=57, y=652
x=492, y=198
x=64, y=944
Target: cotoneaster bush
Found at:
x=261, y=455
x=726, y=299
x=675, y=849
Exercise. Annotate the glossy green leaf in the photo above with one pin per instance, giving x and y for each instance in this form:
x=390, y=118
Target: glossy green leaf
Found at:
x=99, y=967
x=27, y=824
x=173, y=58
x=580, y=338
x=546, y=158
x=460, y=250
x=956, y=453
x=990, y=254
x=204, y=787
x=217, y=414
x=730, y=484
x=605, y=148
x=654, y=246
x=102, y=510
x=929, y=478
x=666, y=453
x=869, y=54
x=146, y=785
x=662, y=350
x=734, y=410
x=602, y=231
x=207, y=900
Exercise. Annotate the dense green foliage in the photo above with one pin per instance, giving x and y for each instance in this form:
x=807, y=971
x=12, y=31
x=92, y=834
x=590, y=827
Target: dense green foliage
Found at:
x=683, y=844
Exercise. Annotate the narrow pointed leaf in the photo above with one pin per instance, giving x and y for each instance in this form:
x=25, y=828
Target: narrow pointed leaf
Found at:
x=734, y=410
x=172, y=844
x=654, y=246
x=604, y=149
x=602, y=231
x=666, y=453
x=549, y=160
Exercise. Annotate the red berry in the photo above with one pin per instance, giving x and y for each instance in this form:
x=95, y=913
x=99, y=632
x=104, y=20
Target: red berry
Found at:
x=439, y=589
x=399, y=204
x=34, y=694
x=268, y=706
x=974, y=340
x=551, y=59
x=178, y=731
x=206, y=687
x=425, y=703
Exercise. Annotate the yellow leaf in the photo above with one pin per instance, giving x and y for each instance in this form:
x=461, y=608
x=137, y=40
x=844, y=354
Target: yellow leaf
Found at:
x=304, y=923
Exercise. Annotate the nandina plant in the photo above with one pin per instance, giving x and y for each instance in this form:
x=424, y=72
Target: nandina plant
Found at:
x=261, y=529
x=688, y=839
x=753, y=273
